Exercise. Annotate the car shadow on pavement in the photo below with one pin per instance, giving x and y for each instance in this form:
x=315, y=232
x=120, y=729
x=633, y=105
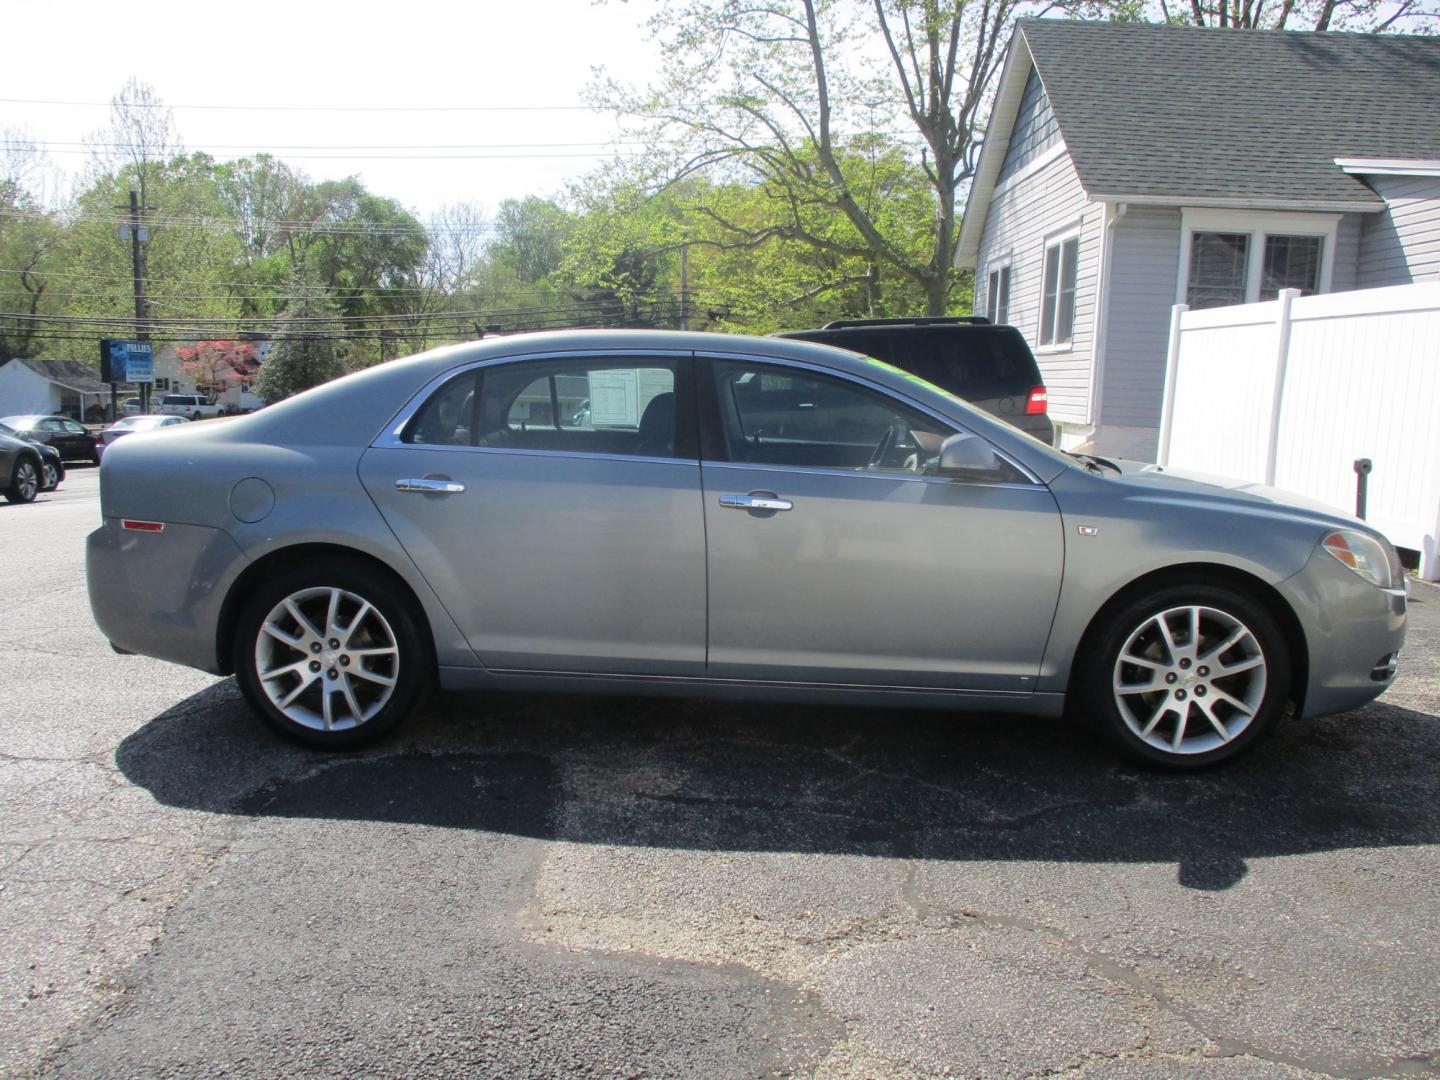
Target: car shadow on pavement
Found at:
x=889, y=783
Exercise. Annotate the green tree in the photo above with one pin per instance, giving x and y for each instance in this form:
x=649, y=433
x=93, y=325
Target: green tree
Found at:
x=306, y=349
x=810, y=100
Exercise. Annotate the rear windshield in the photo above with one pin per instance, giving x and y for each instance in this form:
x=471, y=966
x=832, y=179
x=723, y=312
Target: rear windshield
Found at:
x=178, y=399
x=972, y=362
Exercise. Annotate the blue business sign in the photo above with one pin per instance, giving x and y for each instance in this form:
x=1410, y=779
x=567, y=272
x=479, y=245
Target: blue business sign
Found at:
x=126, y=361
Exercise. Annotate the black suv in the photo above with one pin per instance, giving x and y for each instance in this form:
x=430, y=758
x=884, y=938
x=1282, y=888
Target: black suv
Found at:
x=989, y=366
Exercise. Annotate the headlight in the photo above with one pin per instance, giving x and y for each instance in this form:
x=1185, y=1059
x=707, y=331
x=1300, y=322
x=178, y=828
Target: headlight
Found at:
x=1373, y=559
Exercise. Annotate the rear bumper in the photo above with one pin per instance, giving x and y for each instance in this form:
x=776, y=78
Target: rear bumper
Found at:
x=160, y=594
x=1353, y=632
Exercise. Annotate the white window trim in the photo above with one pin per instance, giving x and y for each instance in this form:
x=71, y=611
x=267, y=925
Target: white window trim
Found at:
x=1029, y=169
x=1071, y=232
x=999, y=262
x=1258, y=224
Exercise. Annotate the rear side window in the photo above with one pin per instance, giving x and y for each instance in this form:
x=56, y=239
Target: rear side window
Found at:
x=605, y=405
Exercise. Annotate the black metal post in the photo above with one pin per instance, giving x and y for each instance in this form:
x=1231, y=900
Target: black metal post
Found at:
x=1362, y=485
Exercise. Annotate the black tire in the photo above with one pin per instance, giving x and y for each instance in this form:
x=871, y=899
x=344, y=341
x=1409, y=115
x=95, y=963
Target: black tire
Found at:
x=51, y=477
x=412, y=671
x=1259, y=692
x=24, y=481
x=195, y=415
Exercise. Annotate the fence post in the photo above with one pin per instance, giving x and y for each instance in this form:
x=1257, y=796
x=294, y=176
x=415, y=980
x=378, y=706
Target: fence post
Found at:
x=1277, y=397
x=1172, y=364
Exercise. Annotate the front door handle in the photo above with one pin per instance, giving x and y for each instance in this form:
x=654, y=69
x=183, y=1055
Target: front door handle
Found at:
x=430, y=487
x=755, y=502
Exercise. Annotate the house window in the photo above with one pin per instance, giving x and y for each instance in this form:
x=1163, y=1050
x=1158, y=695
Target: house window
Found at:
x=1218, y=269
x=1291, y=262
x=1057, y=305
x=1241, y=256
x=997, y=295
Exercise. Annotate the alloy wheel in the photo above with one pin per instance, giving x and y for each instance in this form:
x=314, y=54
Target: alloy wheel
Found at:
x=1189, y=679
x=327, y=659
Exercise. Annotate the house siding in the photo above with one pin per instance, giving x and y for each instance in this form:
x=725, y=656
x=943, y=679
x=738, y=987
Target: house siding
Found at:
x=1402, y=244
x=1022, y=215
x=1345, y=271
x=1144, y=274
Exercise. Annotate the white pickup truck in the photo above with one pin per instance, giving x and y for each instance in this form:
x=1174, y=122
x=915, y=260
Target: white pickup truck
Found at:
x=191, y=406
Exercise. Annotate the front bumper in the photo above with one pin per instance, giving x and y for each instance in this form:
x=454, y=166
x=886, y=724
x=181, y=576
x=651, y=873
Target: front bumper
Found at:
x=1353, y=634
x=160, y=593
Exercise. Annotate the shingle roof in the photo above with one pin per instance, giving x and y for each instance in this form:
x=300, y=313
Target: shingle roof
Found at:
x=1234, y=114
x=71, y=374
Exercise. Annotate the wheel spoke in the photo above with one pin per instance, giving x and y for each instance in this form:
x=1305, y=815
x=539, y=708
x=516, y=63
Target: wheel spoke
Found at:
x=1165, y=633
x=331, y=629
x=349, y=691
x=1155, y=718
x=295, y=641
x=1214, y=720
x=327, y=694
x=1142, y=661
x=1236, y=636
x=299, y=667
x=1194, y=629
x=1241, y=665
x=388, y=650
x=355, y=622
x=1232, y=700
x=289, y=699
x=1134, y=688
x=373, y=676
x=299, y=617
x=1182, y=714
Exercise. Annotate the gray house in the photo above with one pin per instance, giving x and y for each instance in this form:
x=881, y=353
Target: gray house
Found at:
x=1131, y=167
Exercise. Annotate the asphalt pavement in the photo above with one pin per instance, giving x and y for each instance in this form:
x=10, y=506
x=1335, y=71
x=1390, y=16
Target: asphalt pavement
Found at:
x=557, y=886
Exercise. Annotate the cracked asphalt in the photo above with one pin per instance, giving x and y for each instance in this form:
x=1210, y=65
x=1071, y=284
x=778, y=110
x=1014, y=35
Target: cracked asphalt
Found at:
x=572, y=886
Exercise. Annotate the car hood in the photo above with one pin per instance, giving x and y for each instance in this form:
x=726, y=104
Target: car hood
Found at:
x=1190, y=481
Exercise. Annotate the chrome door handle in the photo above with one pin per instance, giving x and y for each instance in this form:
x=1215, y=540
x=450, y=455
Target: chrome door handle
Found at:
x=442, y=487
x=755, y=502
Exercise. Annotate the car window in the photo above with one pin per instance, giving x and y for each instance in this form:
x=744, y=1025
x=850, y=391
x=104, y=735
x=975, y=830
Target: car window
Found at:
x=785, y=416
x=73, y=428
x=604, y=405
x=52, y=425
x=447, y=418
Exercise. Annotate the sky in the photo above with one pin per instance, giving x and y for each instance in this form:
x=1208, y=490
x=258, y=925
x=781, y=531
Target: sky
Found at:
x=470, y=102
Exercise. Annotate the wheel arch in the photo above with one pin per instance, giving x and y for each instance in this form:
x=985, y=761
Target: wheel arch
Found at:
x=1207, y=574
x=287, y=558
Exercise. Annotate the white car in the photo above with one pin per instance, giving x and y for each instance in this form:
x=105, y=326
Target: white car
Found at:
x=191, y=406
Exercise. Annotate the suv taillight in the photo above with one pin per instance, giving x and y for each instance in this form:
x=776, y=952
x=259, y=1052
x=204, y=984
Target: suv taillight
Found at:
x=1038, y=403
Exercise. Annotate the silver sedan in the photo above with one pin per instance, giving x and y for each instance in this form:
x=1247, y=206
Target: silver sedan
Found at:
x=670, y=513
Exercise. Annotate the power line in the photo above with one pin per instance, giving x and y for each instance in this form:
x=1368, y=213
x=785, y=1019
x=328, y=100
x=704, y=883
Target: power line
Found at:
x=313, y=108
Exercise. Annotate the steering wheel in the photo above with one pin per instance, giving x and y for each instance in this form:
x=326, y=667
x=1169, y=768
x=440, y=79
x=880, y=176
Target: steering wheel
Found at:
x=883, y=447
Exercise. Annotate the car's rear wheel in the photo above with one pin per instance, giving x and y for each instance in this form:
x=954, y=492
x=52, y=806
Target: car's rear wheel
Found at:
x=24, y=482
x=334, y=658
x=1188, y=676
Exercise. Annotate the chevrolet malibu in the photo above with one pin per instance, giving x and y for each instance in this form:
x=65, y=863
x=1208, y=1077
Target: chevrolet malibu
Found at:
x=674, y=513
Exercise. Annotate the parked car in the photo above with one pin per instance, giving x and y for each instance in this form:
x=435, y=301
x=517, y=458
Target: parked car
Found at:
x=72, y=441
x=52, y=466
x=190, y=406
x=735, y=516
x=131, y=406
x=989, y=366
x=132, y=424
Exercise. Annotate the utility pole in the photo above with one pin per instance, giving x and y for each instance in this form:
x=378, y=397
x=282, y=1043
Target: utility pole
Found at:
x=142, y=331
x=685, y=287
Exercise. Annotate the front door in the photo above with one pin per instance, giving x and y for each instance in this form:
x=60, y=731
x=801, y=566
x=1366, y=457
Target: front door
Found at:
x=836, y=555
x=555, y=508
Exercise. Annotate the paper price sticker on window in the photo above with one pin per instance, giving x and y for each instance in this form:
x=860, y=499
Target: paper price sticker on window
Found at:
x=615, y=398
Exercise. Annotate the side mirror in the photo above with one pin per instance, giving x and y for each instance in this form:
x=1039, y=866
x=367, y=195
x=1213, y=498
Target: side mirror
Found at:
x=968, y=455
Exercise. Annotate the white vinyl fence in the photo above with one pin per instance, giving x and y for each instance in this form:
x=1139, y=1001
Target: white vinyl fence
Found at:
x=1291, y=392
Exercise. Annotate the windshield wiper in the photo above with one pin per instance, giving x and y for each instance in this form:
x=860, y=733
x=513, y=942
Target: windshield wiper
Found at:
x=1095, y=464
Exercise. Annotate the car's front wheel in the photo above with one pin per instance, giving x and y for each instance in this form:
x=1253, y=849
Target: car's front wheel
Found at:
x=1188, y=676
x=52, y=476
x=24, y=482
x=334, y=658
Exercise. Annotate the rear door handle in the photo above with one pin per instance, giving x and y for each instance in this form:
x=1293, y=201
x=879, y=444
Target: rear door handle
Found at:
x=755, y=502
x=430, y=487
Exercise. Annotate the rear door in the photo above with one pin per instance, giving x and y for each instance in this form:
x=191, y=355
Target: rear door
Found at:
x=554, y=506
x=836, y=555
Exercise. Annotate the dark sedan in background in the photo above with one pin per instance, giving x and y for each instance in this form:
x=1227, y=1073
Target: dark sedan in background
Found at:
x=51, y=469
x=72, y=441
